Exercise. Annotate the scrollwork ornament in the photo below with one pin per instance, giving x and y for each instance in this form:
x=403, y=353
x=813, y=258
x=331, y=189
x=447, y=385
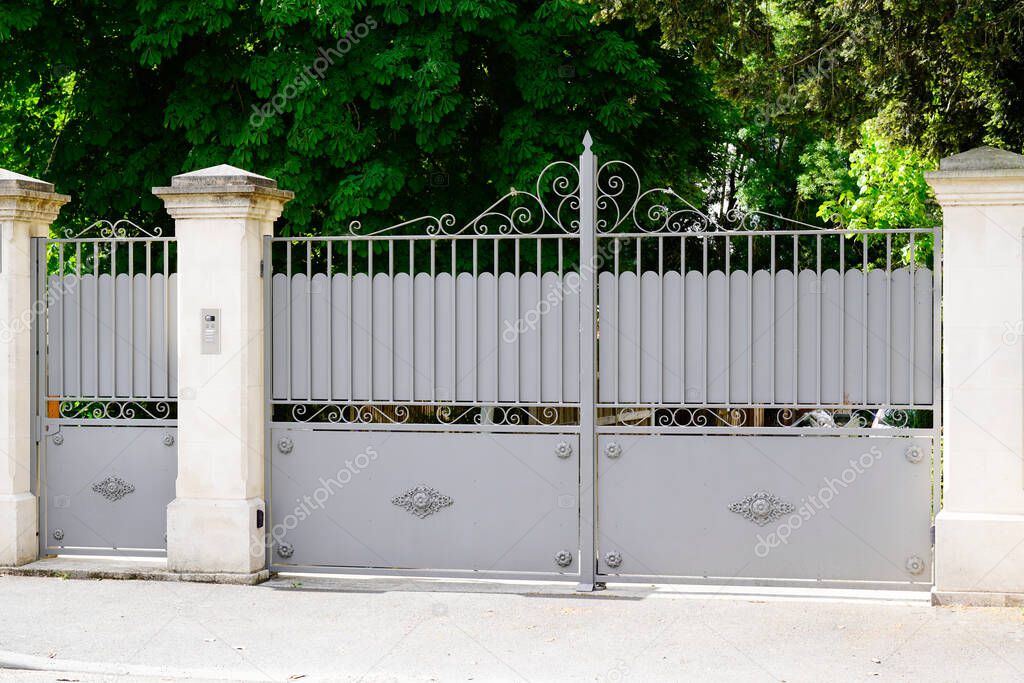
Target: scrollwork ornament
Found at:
x=115, y=230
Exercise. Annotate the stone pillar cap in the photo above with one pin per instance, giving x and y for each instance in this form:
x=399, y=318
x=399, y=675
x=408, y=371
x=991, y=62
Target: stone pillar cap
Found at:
x=11, y=183
x=223, y=179
x=980, y=161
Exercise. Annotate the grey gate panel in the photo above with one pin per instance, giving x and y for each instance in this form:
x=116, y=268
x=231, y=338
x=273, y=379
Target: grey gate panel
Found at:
x=734, y=359
x=813, y=508
x=106, y=390
x=425, y=501
x=107, y=487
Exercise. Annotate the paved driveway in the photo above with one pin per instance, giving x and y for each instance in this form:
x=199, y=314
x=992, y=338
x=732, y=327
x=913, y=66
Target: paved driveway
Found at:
x=389, y=629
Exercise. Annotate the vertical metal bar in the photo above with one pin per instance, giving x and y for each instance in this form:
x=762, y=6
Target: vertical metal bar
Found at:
x=412, y=319
x=455, y=325
x=661, y=319
x=728, y=319
x=796, y=319
x=771, y=323
x=63, y=332
x=911, y=388
x=391, y=286
x=433, y=320
x=750, y=319
x=561, y=322
x=842, y=319
x=96, y=311
x=498, y=338
x=639, y=326
x=80, y=297
x=864, y=320
x=309, y=318
x=329, y=246
x=131, y=319
x=371, y=374
x=476, y=321
x=540, y=324
x=888, y=319
x=707, y=319
x=519, y=346
x=351, y=333
x=588, y=369
x=617, y=244
x=167, y=319
x=682, y=319
x=821, y=287
x=288, y=327
x=149, y=318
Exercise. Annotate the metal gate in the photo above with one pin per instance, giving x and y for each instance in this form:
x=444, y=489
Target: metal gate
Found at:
x=106, y=390
x=594, y=380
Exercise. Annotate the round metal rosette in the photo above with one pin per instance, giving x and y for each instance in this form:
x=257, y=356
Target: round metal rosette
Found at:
x=58, y=534
x=915, y=565
x=613, y=449
x=168, y=439
x=563, y=558
x=285, y=550
x=563, y=449
x=613, y=559
x=915, y=454
x=58, y=439
x=285, y=445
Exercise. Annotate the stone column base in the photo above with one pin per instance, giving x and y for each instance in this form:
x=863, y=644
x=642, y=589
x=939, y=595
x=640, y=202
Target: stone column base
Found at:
x=215, y=536
x=19, y=542
x=979, y=553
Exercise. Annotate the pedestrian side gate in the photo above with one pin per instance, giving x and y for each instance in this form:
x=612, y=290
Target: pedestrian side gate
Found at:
x=106, y=389
x=597, y=381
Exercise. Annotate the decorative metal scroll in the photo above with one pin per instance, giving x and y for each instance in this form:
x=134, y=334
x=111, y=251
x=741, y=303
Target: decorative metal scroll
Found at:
x=439, y=414
x=553, y=206
x=758, y=416
x=623, y=205
x=90, y=409
x=120, y=229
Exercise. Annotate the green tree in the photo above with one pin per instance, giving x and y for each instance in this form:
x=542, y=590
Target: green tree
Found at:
x=434, y=106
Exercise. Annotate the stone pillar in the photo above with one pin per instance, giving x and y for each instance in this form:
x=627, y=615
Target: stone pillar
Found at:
x=979, y=545
x=27, y=208
x=221, y=215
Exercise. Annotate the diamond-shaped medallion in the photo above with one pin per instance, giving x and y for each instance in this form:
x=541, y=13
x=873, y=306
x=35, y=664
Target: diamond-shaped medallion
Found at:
x=761, y=507
x=113, y=488
x=422, y=501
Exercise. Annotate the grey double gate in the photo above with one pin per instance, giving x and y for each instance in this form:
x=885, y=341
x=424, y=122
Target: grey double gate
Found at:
x=595, y=381
x=105, y=390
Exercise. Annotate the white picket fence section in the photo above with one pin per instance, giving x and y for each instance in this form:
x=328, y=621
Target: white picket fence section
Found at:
x=108, y=340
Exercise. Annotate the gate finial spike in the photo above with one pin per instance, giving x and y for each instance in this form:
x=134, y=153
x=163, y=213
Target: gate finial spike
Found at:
x=587, y=141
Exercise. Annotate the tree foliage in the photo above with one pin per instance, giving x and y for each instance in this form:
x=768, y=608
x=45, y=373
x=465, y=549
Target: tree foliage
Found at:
x=436, y=105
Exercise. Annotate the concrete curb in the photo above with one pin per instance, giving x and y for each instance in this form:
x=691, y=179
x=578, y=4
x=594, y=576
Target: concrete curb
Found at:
x=68, y=568
x=976, y=599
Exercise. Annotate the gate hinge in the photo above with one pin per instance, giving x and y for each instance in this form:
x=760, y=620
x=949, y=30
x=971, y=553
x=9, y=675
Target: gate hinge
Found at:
x=39, y=429
x=261, y=269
